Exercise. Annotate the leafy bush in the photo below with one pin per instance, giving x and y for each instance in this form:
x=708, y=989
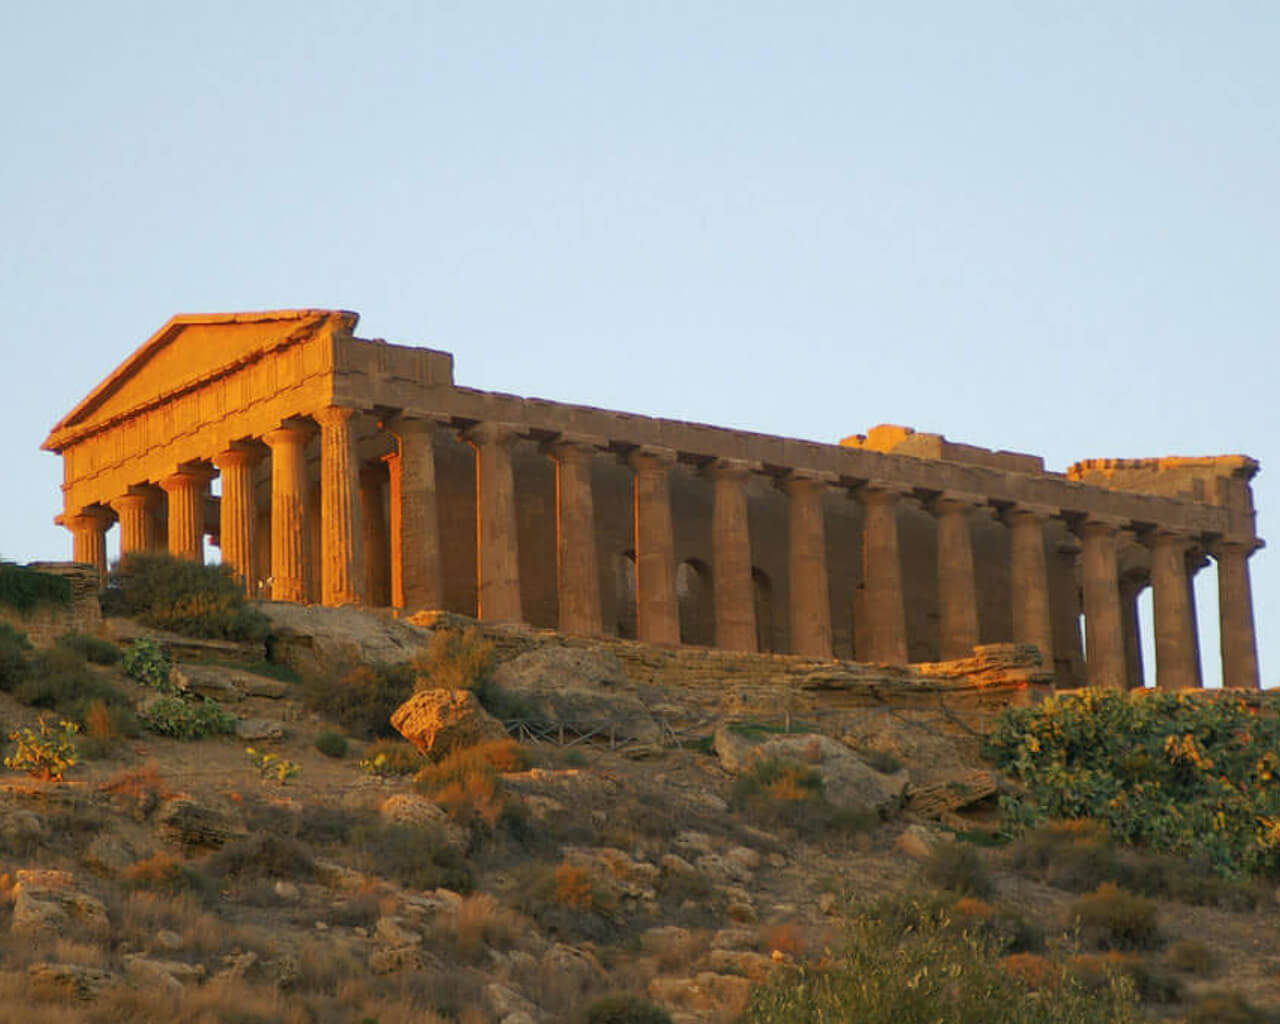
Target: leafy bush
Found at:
x=13, y=656
x=24, y=588
x=958, y=868
x=1111, y=918
x=145, y=661
x=625, y=1009
x=45, y=754
x=389, y=757
x=1184, y=773
x=184, y=596
x=1151, y=982
x=187, y=720
x=272, y=766
x=418, y=856
x=59, y=680
x=91, y=648
x=331, y=744
x=909, y=964
x=361, y=700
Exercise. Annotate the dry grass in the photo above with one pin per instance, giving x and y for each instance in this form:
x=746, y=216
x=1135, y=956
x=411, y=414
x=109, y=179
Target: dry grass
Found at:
x=146, y=913
x=465, y=781
x=479, y=924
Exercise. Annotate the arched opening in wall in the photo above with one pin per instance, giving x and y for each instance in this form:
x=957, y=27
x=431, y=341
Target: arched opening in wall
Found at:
x=697, y=611
x=762, y=596
x=624, y=582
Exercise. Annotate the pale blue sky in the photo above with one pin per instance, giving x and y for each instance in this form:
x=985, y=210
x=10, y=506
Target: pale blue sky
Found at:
x=1046, y=227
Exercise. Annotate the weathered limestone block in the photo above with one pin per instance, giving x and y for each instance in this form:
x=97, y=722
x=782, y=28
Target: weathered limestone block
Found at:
x=69, y=982
x=52, y=912
x=309, y=638
x=585, y=690
x=415, y=809
x=849, y=782
x=438, y=721
x=184, y=822
x=258, y=729
x=959, y=789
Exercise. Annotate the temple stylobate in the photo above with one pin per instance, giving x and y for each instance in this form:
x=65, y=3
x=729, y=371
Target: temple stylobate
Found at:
x=334, y=469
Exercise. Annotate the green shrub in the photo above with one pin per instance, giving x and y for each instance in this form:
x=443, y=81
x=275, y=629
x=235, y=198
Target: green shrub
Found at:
x=331, y=744
x=59, y=680
x=1112, y=918
x=45, y=754
x=625, y=1008
x=1184, y=773
x=185, y=597
x=361, y=700
x=389, y=757
x=13, y=656
x=23, y=588
x=959, y=868
x=418, y=856
x=907, y=963
x=262, y=855
x=91, y=648
x=145, y=661
x=187, y=720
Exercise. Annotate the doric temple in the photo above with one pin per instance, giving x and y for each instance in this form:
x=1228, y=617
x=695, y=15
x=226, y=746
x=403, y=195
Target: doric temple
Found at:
x=330, y=468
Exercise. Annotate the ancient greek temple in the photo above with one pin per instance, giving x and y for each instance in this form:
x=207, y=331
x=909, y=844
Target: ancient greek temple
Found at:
x=330, y=468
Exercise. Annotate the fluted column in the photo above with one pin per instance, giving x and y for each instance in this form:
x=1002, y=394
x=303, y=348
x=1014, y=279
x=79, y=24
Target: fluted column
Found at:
x=341, y=539
x=657, y=613
x=1104, y=628
x=810, y=613
x=732, y=591
x=957, y=588
x=497, y=558
x=238, y=512
x=1239, y=643
x=1176, y=661
x=89, y=537
x=577, y=570
x=1131, y=585
x=1029, y=580
x=883, y=606
x=134, y=511
x=373, y=519
x=288, y=511
x=414, y=519
x=186, y=491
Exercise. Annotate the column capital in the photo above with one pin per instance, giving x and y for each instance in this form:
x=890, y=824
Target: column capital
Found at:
x=1235, y=546
x=732, y=469
x=1022, y=511
x=135, y=498
x=880, y=492
x=567, y=446
x=651, y=458
x=292, y=430
x=1163, y=536
x=334, y=415
x=493, y=432
x=97, y=516
x=238, y=454
x=187, y=477
x=803, y=481
x=407, y=422
x=952, y=502
x=1098, y=526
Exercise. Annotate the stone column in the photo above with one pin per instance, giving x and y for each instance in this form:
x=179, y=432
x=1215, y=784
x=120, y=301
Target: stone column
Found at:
x=414, y=520
x=89, y=537
x=136, y=518
x=288, y=511
x=497, y=558
x=341, y=539
x=577, y=570
x=1104, y=629
x=186, y=490
x=883, y=606
x=1029, y=579
x=1131, y=586
x=238, y=513
x=1176, y=661
x=957, y=588
x=657, y=612
x=732, y=589
x=810, y=619
x=1235, y=613
x=373, y=518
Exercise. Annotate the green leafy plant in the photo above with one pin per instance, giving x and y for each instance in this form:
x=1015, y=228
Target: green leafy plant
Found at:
x=145, y=661
x=45, y=754
x=24, y=588
x=13, y=656
x=184, y=596
x=1190, y=774
x=386, y=758
x=187, y=720
x=272, y=766
x=362, y=698
x=331, y=744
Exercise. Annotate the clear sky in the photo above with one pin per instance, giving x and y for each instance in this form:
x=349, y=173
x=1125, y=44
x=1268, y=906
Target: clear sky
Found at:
x=1045, y=227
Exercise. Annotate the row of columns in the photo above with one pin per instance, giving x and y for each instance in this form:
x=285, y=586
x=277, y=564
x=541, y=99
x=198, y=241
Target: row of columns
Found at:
x=415, y=556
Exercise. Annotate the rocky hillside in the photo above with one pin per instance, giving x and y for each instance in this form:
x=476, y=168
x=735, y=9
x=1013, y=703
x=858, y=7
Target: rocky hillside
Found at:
x=633, y=854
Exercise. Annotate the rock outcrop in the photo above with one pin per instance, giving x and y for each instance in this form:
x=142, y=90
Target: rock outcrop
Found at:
x=437, y=721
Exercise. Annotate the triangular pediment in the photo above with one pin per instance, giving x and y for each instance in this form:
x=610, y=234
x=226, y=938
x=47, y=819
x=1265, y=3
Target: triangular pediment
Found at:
x=187, y=350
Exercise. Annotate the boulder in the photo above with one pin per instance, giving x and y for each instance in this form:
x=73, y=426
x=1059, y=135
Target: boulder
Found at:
x=258, y=729
x=193, y=826
x=848, y=781
x=210, y=681
x=314, y=639
x=109, y=854
x=587, y=691
x=438, y=721
x=69, y=982
x=56, y=911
